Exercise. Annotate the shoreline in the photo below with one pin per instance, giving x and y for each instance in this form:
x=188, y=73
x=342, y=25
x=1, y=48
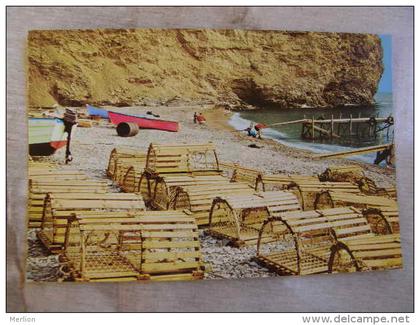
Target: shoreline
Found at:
x=232, y=145
x=224, y=125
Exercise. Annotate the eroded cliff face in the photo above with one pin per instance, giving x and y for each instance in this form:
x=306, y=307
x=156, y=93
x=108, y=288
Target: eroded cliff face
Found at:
x=237, y=67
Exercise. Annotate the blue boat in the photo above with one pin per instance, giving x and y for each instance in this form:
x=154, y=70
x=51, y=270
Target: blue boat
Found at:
x=95, y=111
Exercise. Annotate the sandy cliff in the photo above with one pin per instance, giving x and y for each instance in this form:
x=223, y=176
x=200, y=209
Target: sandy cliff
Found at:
x=135, y=67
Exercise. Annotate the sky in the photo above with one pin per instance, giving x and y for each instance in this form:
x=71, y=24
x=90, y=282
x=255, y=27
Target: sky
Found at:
x=385, y=85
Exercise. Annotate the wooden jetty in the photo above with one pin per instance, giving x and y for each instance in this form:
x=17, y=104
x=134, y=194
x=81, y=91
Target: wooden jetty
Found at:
x=334, y=128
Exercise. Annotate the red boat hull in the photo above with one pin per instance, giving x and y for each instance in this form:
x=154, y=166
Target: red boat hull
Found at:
x=144, y=123
x=46, y=149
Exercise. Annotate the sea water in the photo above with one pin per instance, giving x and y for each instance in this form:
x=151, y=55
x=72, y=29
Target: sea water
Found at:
x=291, y=134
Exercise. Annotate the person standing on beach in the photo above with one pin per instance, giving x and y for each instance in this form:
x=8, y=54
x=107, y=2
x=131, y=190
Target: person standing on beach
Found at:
x=195, y=117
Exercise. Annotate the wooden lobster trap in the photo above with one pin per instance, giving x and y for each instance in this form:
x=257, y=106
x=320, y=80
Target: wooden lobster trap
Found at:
x=39, y=189
x=238, y=173
x=120, y=153
x=366, y=254
x=199, y=159
x=132, y=180
x=164, y=188
x=151, y=245
x=381, y=212
x=123, y=165
x=349, y=173
x=383, y=220
x=59, y=207
x=304, y=239
x=307, y=191
x=369, y=187
x=279, y=182
x=198, y=199
x=238, y=217
x=56, y=175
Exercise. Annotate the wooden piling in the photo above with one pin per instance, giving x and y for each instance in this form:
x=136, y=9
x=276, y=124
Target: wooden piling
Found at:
x=332, y=126
x=313, y=128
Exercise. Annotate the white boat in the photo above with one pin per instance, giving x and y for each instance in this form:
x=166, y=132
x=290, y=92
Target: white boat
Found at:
x=46, y=135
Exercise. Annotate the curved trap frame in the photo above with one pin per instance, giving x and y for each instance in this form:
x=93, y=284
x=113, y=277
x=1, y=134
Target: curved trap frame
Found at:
x=348, y=173
x=369, y=187
x=59, y=207
x=188, y=158
x=332, y=199
x=279, y=182
x=304, y=239
x=130, y=183
x=198, y=198
x=148, y=246
x=39, y=190
x=118, y=153
x=383, y=220
x=164, y=188
x=374, y=253
x=245, y=175
x=239, y=217
x=307, y=191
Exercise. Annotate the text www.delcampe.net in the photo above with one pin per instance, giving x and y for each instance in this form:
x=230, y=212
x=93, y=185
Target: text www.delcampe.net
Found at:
x=356, y=319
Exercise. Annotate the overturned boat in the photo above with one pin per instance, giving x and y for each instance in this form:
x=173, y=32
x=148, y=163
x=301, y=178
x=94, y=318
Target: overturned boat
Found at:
x=96, y=111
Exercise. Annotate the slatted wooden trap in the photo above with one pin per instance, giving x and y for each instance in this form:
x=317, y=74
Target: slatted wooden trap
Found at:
x=381, y=212
x=188, y=158
x=132, y=180
x=351, y=173
x=238, y=217
x=238, y=173
x=199, y=198
x=43, y=174
x=331, y=199
x=365, y=254
x=281, y=181
x=39, y=189
x=307, y=191
x=171, y=166
x=368, y=186
x=59, y=207
x=152, y=245
x=164, y=188
x=304, y=239
x=121, y=153
x=383, y=220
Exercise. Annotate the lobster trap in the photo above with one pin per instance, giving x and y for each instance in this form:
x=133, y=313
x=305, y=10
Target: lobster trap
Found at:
x=383, y=220
x=331, y=199
x=132, y=180
x=366, y=254
x=151, y=245
x=307, y=191
x=39, y=189
x=304, y=239
x=119, y=158
x=188, y=158
x=349, y=173
x=238, y=173
x=59, y=207
x=198, y=199
x=278, y=182
x=164, y=188
x=238, y=217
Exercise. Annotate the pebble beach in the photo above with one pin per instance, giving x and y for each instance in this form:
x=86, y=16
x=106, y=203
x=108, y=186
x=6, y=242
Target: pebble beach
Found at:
x=91, y=147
